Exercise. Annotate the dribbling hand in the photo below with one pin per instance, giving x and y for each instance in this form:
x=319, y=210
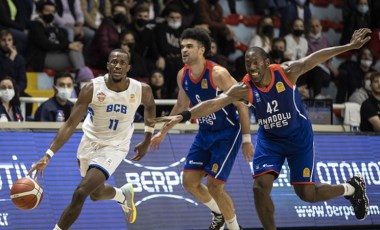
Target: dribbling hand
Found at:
x=39, y=167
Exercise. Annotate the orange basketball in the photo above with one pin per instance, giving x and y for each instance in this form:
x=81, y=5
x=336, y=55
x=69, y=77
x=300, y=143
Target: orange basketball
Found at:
x=26, y=193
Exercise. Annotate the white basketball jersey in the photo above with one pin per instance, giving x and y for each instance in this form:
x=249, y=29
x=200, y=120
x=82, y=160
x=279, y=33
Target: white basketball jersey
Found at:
x=110, y=114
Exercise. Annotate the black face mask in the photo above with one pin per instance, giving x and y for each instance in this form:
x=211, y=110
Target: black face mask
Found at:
x=48, y=18
x=120, y=19
x=131, y=47
x=213, y=2
x=267, y=30
x=277, y=54
x=141, y=22
x=298, y=33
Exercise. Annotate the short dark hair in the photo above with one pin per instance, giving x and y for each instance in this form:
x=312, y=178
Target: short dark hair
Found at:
x=140, y=7
x=5, y=32
x=41, y=4
x=200, y=35
x=62, y=74
x=120, y=51
x=118, y=4
x=169, y=9
x=374, y=75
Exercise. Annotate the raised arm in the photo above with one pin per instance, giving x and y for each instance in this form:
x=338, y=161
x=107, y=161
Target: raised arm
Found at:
x=294, y=69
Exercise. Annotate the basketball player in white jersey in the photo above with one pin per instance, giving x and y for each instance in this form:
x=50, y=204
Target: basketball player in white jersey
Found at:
x=111, y=101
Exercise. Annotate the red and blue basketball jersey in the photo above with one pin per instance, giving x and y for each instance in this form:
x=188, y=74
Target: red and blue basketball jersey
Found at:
x=203, y=89
x=279, y=109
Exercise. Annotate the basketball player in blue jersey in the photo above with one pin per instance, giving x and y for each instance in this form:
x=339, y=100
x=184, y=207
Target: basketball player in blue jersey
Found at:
x=111, y=101
x=285, y=132
x=220, y=133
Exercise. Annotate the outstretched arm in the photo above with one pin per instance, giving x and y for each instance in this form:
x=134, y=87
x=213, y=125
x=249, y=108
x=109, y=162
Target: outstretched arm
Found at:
x=294, y=69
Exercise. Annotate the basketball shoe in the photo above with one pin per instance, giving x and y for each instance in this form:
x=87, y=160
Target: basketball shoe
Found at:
x=217, y=221
x=128, y=205
x=359, y=199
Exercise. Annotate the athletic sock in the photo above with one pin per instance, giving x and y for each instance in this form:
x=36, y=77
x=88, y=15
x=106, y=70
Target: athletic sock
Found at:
x=119, y=196
x=213, y=206
x=56, y=227
x=348, y=189
x=233, y=224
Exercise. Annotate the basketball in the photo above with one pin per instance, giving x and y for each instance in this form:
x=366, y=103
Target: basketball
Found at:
x=26, y=193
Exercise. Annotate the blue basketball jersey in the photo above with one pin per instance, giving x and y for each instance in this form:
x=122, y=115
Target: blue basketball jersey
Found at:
x=203, y=89
x=279, y=109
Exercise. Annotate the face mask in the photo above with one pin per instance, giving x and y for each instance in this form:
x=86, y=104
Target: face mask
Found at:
x=363, y=9
x=315, y=36
x=213, y=2
x=297, y=33
x=131, y=46
x=174, y=25
x=64, y=93
x=7, y=95
x=367, y=84
x=366, y=63
x=48, y=18
x=267, y=30
x=120, y=19
x=301, y=2
x=277, y=54
x=141, y=22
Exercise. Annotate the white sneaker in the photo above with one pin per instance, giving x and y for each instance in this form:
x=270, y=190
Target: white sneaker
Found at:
x=128, y=205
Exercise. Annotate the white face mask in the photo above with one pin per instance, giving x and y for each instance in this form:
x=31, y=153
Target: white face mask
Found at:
x=366, y=63
x=315, y=36
x=7, y=95
x=367, y=84
x=174, y=25
x=64, y=93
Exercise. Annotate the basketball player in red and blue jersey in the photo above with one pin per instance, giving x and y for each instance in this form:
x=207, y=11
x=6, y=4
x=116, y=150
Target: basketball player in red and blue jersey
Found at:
x=217, y=143
x=285, y=132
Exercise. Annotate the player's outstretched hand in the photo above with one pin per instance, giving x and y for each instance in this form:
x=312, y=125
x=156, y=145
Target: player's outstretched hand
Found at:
x=141, y=149
x=360, y=37
x=39, y=167
x=156, y=141
x=247, y=151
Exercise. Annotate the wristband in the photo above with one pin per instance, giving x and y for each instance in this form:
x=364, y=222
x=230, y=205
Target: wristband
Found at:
x=247, y=138
x=50, y=153
x=148, y=129
x=186, y=115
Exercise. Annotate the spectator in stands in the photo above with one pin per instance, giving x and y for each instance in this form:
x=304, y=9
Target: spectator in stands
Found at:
x=168, y=34
x=12, y=64
x=154, y=8
x=187, y=9
x=296, y=43
x=10, y=101
x=362, y=94
x=218, y=58
x=278, y=51
x=144, y=35
x=10, y=21
x=157, y=83
x=58, y=108
x=49, y=44
x=296, y=9
x=209, y=14
x=106, y=37
x=360, y=17
x=94, y=11
x=351, y=74
x=140, y=68
x=264, y=34
x=319, y=76
x=370, y=109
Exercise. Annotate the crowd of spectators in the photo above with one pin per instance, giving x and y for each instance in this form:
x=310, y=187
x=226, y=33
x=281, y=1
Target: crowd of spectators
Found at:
x=75, y=37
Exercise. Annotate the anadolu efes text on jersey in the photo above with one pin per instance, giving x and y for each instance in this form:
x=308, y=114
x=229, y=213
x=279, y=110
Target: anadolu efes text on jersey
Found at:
x=278, y=108
x=110, y=116
x=202, y=89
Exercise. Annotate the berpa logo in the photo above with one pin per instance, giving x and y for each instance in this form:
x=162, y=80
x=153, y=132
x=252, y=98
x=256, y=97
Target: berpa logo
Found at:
x=157, y=181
